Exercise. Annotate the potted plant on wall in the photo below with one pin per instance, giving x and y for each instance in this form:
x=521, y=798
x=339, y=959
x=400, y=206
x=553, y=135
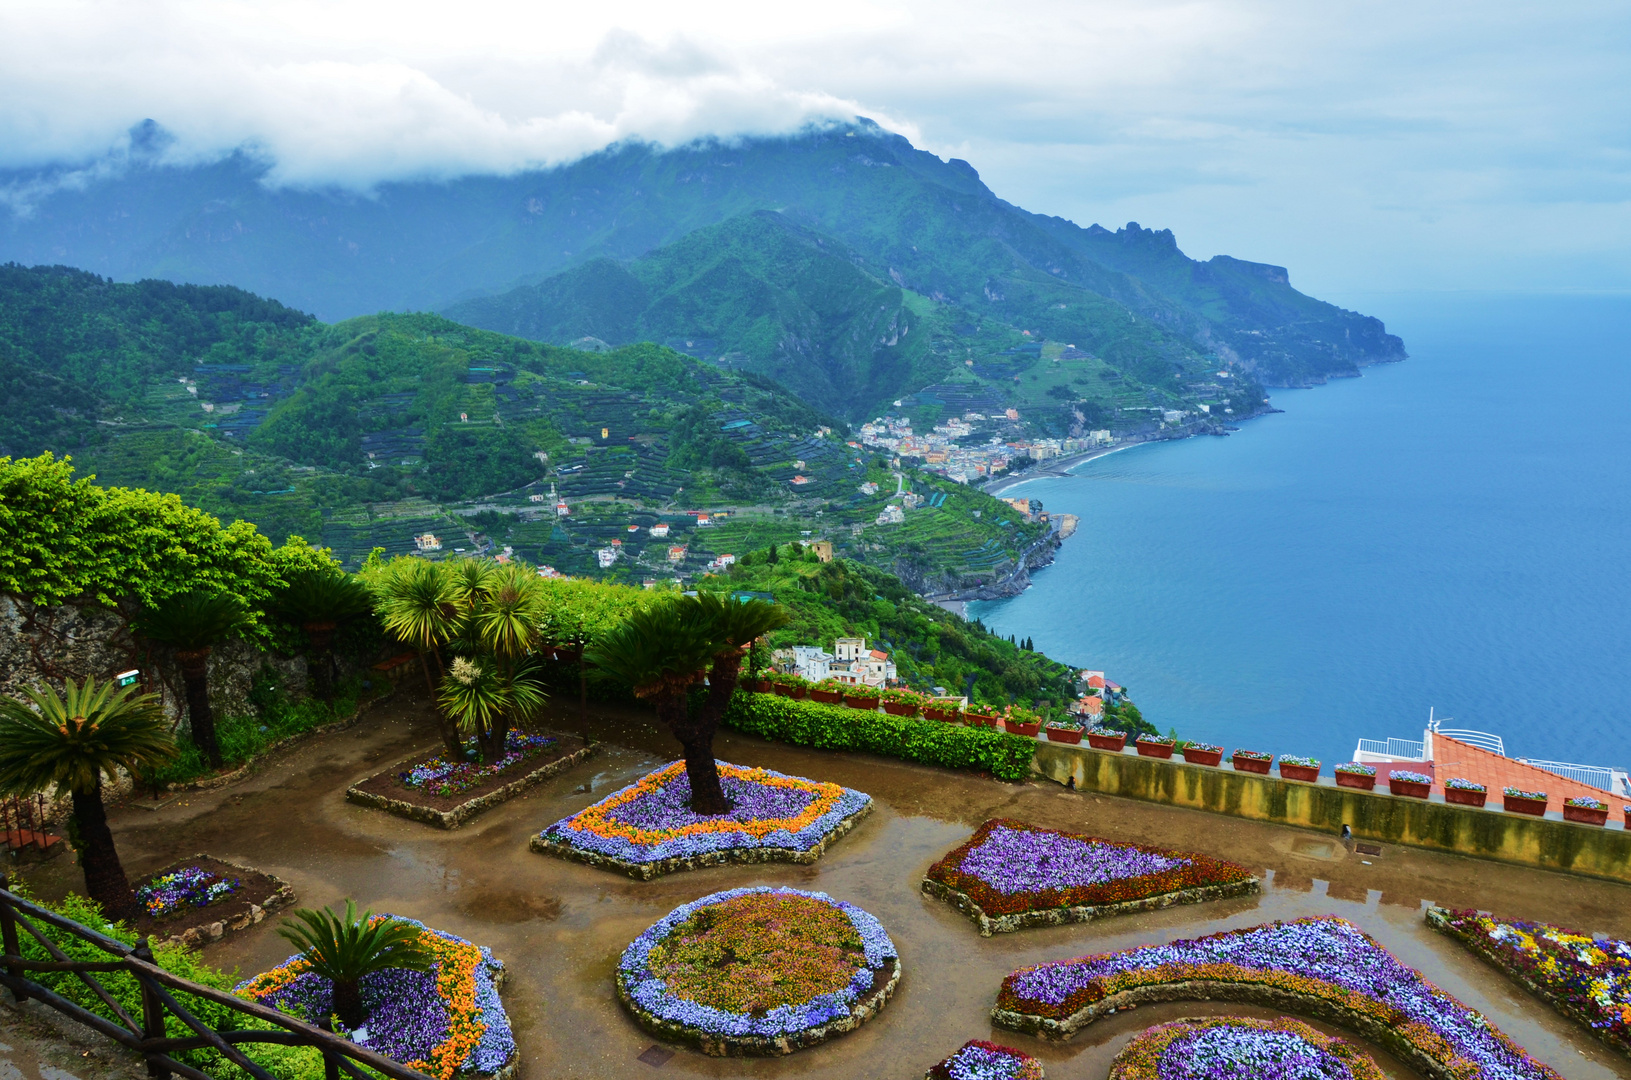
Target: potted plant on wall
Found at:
x=982, y=715
x=861, y=697
x=901, y=702
x=1356, y=775
x=1199, y=753
x=828, y=692
x=1293, y=767
x=1586, y=810
x=1155, y=746
x=1103, y=738
x=1458, y=789
x=1065, y=731
x=946, y=710
x=1022, y=722
x=786, y=684
x=1413, y=784
x=1517, y=801
x=1252, y=761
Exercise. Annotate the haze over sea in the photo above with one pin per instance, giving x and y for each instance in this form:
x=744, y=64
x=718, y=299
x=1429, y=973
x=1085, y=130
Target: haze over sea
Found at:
x=1453, y=531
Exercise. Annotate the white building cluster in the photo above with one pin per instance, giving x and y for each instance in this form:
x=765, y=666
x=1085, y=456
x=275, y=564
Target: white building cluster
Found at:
x=941, y=453
x=850, y=662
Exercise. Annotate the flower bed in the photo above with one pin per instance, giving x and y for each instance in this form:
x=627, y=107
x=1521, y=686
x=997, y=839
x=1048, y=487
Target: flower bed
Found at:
x=1324, y=967
x=202, y=899
x=759, y=971
x=445, y=1021
x=648, y=828
x=1585, y=979
x=447, y=793
x=1010, y=875
x=168, y=895
x=981, y=1060
x=1239, y=1048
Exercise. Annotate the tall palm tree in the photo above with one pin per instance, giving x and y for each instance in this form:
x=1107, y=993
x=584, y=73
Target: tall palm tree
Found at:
x=419, y=605
x=661, y=652
x=72, y=742
x=344, y=949
x=193, y=623
x=506, y=607
x=320, y=602
x=733, y=626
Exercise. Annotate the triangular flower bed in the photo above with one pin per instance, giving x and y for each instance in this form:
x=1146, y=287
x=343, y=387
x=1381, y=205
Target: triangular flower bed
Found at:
x=444, y=1022
x=1323, y=967
x=1011, y=875
x=648, y=828
x=981, y=1060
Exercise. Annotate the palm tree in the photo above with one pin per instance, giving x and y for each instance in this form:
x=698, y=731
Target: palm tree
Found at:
x=71, y=742
x=498, y=684
x=345, y=949
x=319, y=602
x=193, y=623
x=418, y=605
x=733, y=627
x=661, y=652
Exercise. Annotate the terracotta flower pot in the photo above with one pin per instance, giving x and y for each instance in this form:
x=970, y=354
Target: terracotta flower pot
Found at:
x=828, y=697
x=1585, y=815
x=1016, y=728
x=944, y=715
x=1306, y=773
x=1514, y=805
x=1202, y=757
x=1464, y=797
x=1113, y=743
x=784, y=690
x=765, y=686
x=1072, y=736
x=1415, y=789
x=1251, y=764
x=860, y=701
x=900, y=708
x=1353, y=780
x=1155, y=750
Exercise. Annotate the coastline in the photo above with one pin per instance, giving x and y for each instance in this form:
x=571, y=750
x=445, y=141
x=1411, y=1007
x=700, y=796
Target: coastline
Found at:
x=1058, y=467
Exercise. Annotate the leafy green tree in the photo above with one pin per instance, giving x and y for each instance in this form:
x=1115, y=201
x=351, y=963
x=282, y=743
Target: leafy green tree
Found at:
x=345, y=949
x=71, y=742
x=193, y=623
x=497, y=686
x=661, y=652
x=320, y=602
x=417, y=604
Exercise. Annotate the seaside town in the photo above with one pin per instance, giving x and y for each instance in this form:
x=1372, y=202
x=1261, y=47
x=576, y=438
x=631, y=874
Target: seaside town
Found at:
x=974, y=448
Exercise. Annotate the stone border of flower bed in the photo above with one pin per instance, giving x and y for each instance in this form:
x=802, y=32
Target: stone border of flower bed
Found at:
x=201, y=935
x=1006, y=924
x=723, y=857
x=1439, y=919
x=452, y=819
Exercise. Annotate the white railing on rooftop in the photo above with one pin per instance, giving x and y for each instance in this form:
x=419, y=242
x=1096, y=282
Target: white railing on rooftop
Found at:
x=1481, y=739
x=1595, y=776
x=1393, y=749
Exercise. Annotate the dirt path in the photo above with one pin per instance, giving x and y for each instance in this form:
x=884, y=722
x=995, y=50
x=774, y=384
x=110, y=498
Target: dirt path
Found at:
x=561, y=926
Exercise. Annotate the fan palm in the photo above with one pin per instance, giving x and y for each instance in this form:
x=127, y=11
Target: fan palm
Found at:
x=418, y=605
x=71, y=742
x=733, y=626
x=319, y=602
x=344, y=949
x=504, y=606
x=193, y=623
x=661, y=652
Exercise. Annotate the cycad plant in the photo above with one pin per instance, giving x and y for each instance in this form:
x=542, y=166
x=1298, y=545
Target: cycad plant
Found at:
x=320, y=602
x=733, y=626
x=345, y=949
x=193, y=623
x=71, y=742
x=660, y=653
x=497, y=686
x=418, y=604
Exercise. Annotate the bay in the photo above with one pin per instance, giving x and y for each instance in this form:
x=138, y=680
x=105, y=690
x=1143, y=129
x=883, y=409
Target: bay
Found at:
x=1452, y=531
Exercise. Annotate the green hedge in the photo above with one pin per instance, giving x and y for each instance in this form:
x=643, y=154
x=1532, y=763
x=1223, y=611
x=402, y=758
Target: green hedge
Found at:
x=930, y=742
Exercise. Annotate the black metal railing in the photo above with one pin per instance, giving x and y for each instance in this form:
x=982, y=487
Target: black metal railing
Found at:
x=149, y=1035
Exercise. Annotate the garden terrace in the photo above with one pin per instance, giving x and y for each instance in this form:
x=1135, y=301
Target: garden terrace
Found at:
x=560, y=926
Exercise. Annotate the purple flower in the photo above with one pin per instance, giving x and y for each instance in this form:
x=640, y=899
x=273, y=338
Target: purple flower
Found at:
x=1023, y=861
x=189, y=887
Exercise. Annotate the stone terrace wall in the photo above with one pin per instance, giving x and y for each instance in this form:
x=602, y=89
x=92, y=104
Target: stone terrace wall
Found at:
x=1396, y=819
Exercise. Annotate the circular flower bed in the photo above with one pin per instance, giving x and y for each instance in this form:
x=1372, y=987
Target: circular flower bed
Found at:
x=981, y=1060
x=759, y=971
x=1238, y=1048
x=1011, y=875
x=1325, y=967
x=445, y=1021
x=648, y=828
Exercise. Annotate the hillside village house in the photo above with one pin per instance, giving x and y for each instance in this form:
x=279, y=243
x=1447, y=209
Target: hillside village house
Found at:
x=850, y=662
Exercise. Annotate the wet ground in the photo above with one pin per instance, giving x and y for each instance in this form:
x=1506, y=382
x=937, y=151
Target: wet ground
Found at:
x=560, y=926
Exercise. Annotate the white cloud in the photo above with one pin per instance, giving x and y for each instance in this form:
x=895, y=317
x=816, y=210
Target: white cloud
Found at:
x=1359, y=143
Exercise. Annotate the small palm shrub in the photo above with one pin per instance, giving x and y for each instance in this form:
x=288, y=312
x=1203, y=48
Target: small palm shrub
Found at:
x=344, y=949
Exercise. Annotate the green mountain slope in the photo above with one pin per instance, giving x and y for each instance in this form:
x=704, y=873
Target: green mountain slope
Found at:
x=926, y=225
x=375, y=431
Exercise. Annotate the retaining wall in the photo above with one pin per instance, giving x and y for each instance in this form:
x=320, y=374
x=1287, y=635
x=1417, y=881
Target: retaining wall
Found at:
x=1372, y=815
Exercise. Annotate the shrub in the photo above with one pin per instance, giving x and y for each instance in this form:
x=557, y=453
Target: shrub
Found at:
x=833, y=727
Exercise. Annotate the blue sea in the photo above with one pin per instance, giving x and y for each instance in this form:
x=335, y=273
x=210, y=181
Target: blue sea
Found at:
x=1452, y=532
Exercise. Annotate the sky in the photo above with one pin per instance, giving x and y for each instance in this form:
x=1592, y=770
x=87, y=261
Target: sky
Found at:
x=1367, y=146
